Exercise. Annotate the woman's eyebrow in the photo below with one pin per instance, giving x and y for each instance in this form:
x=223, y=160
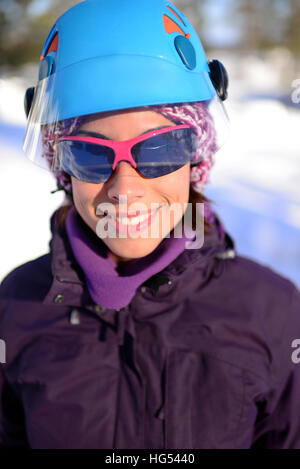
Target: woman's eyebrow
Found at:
x=91, y=134
x=156, y=128
x=98, y=135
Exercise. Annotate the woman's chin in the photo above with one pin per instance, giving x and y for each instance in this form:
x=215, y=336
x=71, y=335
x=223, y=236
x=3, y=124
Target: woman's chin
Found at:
x=129, y=249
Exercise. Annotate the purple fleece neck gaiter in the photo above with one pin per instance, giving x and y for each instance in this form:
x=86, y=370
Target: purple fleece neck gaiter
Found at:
x=109, y=286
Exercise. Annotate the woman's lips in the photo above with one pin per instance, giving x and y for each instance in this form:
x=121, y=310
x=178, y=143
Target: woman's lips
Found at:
x=132, y=215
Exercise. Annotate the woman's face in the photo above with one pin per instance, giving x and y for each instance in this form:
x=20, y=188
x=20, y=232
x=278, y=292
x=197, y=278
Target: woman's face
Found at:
x=127, y=185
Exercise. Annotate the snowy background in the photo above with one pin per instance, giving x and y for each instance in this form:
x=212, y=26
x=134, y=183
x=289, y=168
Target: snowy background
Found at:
x=254, y=183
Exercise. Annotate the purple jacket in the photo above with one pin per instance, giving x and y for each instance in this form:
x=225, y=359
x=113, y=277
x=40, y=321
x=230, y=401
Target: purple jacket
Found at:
x=200, y=358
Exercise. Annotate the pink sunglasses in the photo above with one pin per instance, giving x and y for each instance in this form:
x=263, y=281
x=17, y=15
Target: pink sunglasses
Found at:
x=154, y=154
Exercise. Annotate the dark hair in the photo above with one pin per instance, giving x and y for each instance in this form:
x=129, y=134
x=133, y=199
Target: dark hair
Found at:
x=194, y=198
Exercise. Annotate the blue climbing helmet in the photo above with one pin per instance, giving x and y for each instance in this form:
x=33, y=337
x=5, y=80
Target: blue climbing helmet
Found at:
x=107, y=55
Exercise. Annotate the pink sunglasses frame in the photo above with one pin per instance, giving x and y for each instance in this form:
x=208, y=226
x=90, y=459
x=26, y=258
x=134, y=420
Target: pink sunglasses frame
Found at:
x=123, y=149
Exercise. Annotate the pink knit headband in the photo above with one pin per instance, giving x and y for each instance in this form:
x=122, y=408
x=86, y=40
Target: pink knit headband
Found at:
x=194, y=114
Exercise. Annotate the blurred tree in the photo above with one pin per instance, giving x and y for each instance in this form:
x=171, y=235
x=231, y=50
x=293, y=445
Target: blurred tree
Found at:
x=292, y=27
x=260, y=22
x=24, y=26
x=266, y=24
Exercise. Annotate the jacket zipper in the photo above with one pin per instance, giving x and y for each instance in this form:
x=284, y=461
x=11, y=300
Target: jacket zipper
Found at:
x=141, y=375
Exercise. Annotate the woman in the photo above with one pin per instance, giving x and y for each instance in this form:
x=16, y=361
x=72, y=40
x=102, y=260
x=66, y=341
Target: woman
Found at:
x=126, y=335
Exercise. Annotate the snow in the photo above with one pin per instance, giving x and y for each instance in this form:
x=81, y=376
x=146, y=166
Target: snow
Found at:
x=26, y=202
x=26, y=206
x=254, y=183
x=12, y=101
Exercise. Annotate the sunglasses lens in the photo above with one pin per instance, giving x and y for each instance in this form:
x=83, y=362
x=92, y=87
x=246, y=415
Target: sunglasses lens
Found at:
x=165, y=153
x=86, y=161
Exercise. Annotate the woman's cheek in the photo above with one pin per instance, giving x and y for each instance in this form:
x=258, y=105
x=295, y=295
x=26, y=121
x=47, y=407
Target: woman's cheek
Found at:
x=83, y=197
x=181, y=184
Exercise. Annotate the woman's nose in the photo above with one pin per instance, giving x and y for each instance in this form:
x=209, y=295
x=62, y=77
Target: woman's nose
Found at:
x=125, y=180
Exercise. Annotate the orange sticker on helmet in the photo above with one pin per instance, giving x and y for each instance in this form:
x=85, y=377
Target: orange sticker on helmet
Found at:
x=172, y=27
